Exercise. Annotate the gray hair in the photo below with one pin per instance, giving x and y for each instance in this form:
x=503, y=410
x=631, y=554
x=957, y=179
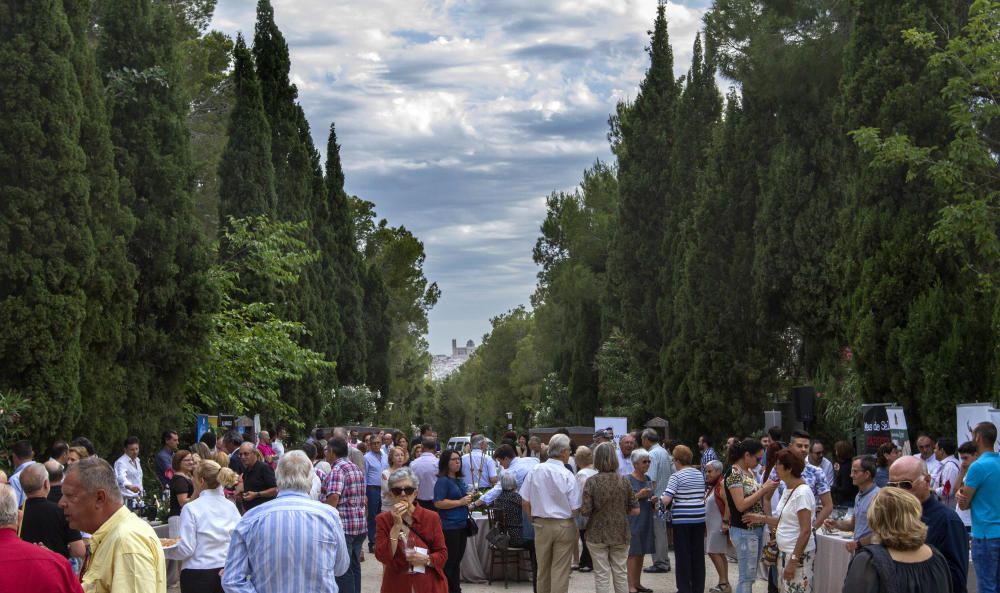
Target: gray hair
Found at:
x=605, y=458
x=638, y=455
x=33, y=478
x=340, y=431
x=651, y=435
x=403, y=473
x=96, y=474
x=8, y=505
x=714, y=464
x=477, y=441
x=508, y=481
x=558, y=444
x=263, y=434
x=294, y=472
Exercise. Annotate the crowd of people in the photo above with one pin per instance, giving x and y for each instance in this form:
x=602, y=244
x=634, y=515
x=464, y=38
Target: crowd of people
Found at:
x=253, y=516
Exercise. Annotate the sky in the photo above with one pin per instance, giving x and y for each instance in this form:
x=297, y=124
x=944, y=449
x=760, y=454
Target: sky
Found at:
x=458, y=117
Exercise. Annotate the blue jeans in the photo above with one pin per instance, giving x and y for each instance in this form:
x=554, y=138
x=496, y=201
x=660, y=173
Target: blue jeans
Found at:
x=374, y=496
x=350, y=581
x=986, y=558
x=748, y=544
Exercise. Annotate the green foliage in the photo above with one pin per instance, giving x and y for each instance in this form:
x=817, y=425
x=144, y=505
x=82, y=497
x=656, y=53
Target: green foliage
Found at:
x=251, y=350
x=351, y=404
x=340, y=268
x=47, y=252
x=152, y=156
x=13, y=408
x=246, y=173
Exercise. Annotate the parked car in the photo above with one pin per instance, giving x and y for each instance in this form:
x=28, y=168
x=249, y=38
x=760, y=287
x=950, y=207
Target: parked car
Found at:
x=459, y=443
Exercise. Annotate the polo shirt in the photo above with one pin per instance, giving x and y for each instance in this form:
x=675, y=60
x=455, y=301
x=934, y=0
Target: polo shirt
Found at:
x=255, y=479
x=426, y=469
x=984, y=476
x=44, y=523
x=862, y=501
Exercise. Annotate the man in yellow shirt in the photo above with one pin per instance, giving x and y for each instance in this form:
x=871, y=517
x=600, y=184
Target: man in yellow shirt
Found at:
x=126, y=556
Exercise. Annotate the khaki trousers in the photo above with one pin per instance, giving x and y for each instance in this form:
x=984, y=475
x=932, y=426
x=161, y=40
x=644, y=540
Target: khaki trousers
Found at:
x=554, y=542
x=610, y=570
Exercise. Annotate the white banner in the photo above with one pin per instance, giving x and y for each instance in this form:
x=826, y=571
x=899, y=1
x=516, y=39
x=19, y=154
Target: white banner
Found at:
x=967, y=416
x=618, y=425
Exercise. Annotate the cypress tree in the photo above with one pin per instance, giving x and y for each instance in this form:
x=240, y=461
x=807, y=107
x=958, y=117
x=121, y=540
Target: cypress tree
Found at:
x=246, y=172
x=111, y=293
x=698, y=110
x=341, y=261
x=643, y=139
x=46, y=249
x=151, y=151
x=909, y=309
x=378, y=330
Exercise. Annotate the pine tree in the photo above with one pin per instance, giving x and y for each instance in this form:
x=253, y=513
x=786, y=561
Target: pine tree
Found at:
x=151, y=148
x=335, y=234
x=46, y=249
x=111, y=293
x=643, y=140
x=246, y=173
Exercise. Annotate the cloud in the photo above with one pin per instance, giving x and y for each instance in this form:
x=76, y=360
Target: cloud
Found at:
x=457, y=118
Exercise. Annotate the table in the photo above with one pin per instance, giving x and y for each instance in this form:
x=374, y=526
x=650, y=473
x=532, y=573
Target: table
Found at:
x=173, y=566
x=476, y=562
x=830, y=564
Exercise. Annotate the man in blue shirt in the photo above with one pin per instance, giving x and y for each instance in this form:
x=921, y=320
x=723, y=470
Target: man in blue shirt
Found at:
x=863, y=476
x=375, y=463
x=981, y=493
x=945, y=530
x=290, y=543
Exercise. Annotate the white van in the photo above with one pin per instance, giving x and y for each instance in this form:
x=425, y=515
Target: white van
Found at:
x=459, y=443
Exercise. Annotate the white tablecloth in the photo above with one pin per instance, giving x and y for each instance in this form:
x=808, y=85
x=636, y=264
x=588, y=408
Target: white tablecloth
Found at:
x=832, y=560
x=476, y=562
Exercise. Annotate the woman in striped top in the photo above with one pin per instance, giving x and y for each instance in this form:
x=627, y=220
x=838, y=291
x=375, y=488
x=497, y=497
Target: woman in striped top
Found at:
x=685, y=494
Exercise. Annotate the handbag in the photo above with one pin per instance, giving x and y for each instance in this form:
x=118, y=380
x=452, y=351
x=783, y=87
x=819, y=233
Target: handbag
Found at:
x=498, y=539
x=471, y=527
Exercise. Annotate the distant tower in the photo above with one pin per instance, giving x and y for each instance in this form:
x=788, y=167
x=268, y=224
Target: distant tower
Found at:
x=454, y=347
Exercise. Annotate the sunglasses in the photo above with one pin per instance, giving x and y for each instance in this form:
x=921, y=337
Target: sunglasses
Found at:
x=904, y=484
x=407, y=490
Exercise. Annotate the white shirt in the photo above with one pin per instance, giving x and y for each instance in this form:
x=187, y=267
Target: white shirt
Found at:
x=788, y=523
x=827, y=466
x=206, y=525
x=478, y=468
x=552, y=491
x=129, y=473
x=945, y=481
x=278, y=447
x=520, y=467
x=933, y=465
x=625, y=466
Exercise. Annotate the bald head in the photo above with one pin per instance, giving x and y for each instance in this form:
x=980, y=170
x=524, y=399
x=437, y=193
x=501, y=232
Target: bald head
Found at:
x=913, y=470
x=35, y=480
x=55, y=470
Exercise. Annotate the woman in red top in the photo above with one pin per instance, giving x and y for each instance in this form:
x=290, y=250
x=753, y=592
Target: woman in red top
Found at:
x=409, y=542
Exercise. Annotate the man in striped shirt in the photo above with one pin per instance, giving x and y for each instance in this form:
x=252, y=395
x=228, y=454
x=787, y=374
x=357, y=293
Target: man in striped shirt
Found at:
x=344, y=489
x=290, y=543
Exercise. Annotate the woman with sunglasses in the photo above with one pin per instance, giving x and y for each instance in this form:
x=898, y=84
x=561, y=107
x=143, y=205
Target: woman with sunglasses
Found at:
x=640, y=525
x=452, y=499
x=409, y=542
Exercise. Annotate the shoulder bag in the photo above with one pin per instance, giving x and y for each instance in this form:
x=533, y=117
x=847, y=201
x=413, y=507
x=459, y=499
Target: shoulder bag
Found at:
x=770, y=552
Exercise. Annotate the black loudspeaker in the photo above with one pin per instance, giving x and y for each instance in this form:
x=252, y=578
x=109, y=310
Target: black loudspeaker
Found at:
x=805, y=403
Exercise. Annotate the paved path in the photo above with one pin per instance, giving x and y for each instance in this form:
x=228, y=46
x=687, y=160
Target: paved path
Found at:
x=371, y=580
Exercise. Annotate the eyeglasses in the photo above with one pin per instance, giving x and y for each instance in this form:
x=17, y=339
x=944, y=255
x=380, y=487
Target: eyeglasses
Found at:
x=407, y=490
x=904, y=484
x=644, y=461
